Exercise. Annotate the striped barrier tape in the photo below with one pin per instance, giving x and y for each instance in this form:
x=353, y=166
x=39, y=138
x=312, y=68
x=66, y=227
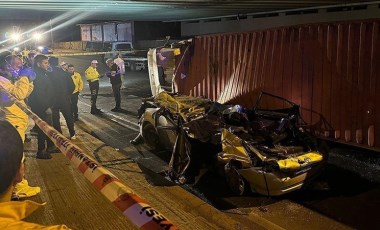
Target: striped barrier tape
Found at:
x=92, y=53
x=138, y=211
x=78, y=54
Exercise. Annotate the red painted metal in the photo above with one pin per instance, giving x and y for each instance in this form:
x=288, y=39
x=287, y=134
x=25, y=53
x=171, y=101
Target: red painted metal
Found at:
x=332, y=70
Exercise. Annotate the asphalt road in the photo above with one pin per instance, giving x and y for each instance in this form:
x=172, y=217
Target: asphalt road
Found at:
x=339, y=199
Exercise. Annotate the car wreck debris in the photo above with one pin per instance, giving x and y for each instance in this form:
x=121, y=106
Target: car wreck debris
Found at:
x=264, y=149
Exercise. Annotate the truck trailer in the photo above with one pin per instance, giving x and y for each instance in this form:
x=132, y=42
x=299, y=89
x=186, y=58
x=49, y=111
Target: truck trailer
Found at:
x=130, y=39
x=330, y=69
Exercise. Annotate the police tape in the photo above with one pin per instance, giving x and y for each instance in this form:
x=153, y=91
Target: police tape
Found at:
x=78, y=54
x=93, y=53
x=138, y=211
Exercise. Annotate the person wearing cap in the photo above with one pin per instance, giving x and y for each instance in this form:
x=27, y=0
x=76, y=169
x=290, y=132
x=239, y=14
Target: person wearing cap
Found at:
x=18, y=83
x=92, y=76
x=12, y=172
x=77, y=79
x=115, y=79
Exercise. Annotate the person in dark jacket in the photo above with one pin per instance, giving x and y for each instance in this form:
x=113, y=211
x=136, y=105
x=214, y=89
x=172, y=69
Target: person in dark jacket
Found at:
x=41, y=101
x=63, y=88
x=115, y=78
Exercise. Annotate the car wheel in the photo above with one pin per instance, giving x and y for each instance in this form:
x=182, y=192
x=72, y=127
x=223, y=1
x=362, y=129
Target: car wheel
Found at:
x=150, y=136
x=238, y=185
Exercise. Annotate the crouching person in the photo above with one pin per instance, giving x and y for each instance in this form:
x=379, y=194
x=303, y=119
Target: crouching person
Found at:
x=11, y=173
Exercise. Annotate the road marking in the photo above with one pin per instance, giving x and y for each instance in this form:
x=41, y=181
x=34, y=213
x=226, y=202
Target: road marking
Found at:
x=120, y=120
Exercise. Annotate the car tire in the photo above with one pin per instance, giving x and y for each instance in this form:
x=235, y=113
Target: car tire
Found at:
x=237, y=184
x=150, y=136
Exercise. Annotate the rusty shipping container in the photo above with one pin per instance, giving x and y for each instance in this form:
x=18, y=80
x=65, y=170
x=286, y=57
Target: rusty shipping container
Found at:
x=109, y=32
x=86, y=33
x=332, y=70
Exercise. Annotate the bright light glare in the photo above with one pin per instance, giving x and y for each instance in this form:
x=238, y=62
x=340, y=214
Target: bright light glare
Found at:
x=37, y=36
x=16, y=49
x=16, y=37
x=68, y=18
x=40, y=48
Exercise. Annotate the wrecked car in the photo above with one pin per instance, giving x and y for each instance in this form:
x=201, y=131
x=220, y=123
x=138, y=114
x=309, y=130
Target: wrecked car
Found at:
x=264, y=150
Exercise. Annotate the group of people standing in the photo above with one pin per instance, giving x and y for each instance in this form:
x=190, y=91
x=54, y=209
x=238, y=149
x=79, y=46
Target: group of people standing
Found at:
x=36, y=83
x=115, y=72
x=49, y=89
x=37, y=86
x=54, y=90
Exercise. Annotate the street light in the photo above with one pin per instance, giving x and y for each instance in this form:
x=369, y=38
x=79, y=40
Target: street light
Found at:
x=37, y=36
x=16, y=37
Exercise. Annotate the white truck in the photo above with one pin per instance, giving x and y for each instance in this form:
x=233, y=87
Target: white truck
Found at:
x=135, y=60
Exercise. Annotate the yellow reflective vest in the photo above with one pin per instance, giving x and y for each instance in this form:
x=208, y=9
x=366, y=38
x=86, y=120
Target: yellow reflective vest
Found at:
x=21, y=89
x=12, y=213
x=78, y=82
x=92, y=74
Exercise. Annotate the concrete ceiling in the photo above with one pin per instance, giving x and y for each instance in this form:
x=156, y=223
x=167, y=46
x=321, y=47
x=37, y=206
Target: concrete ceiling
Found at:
x=145, y=10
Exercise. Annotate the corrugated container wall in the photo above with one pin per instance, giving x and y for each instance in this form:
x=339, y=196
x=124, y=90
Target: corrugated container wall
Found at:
x=85, y=33
x=96, y=33
x=331, y=70
x=109, y=32
x=125, y=32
